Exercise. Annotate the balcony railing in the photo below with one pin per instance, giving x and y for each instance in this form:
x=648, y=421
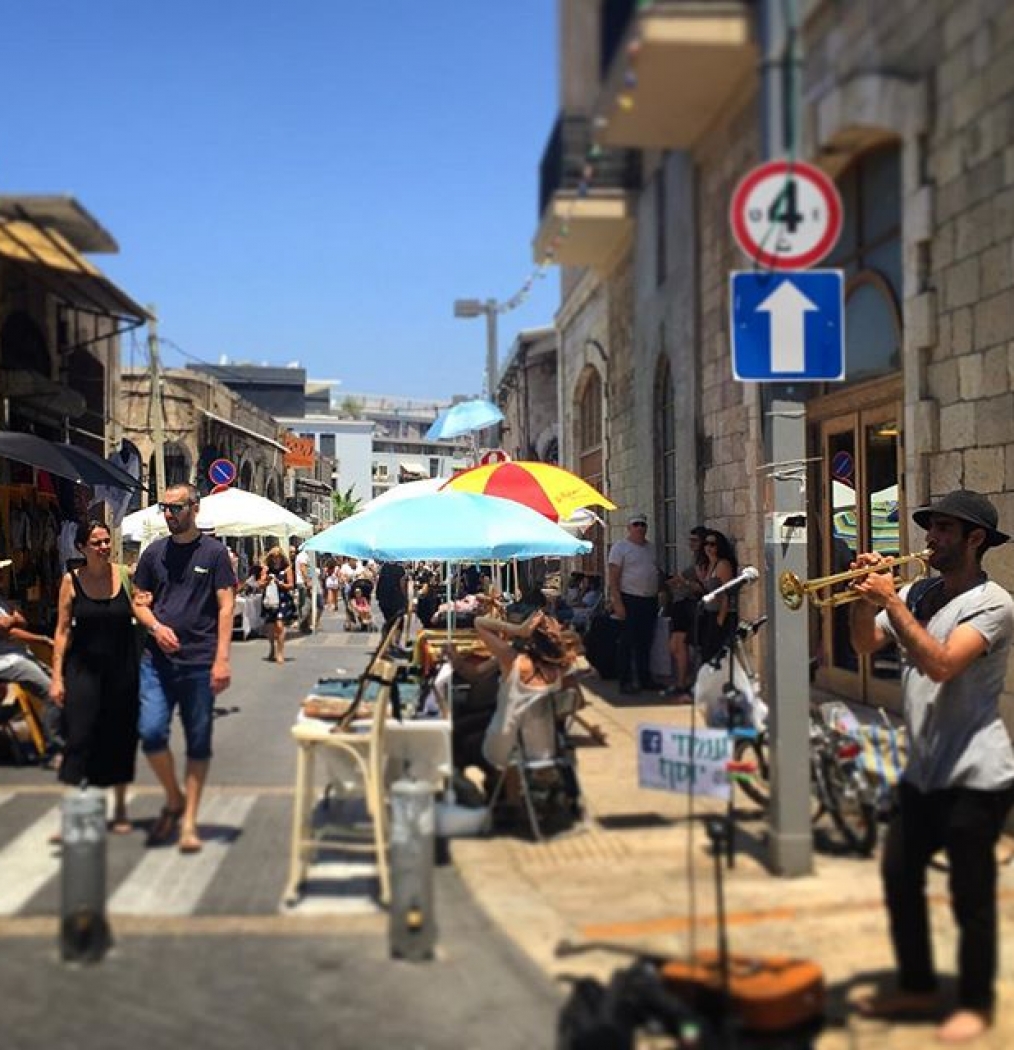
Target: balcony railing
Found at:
x=616, y=16
x=566, y=158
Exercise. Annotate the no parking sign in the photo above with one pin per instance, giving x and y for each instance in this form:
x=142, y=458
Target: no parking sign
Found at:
x=222, y=472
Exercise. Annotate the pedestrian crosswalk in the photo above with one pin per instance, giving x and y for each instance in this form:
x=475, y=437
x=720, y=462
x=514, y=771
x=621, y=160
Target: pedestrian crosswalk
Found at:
x=241, y=869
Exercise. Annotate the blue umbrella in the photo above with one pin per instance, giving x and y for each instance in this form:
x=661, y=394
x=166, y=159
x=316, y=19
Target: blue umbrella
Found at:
x=450, y=526
x=463, y=417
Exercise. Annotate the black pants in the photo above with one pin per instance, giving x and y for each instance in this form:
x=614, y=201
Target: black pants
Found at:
x=966, y=824
x=634, y=651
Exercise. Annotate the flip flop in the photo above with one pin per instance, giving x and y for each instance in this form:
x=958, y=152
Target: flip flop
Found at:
x=165, y=826
x=190, y=841
x=121, y=826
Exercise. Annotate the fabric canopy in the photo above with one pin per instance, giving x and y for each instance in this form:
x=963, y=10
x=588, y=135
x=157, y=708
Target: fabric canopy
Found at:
x=544, y=487
x=463, y=418
x=451, y=526
x=233, y=512
x=66, y=461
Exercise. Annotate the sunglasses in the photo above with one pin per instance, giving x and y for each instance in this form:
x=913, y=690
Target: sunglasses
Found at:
x=711, y=543
x=175, y=508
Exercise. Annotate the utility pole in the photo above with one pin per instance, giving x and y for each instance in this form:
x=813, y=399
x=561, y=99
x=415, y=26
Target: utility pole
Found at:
x=492, y=309
x=785, y=540
x=157, y=428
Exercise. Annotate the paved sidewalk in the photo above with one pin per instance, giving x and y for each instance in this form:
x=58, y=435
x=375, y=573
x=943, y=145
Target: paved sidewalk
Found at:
x=626, y=879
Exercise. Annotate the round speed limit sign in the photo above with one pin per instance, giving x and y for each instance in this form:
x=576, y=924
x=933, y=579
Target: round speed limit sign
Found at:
x=786, y=215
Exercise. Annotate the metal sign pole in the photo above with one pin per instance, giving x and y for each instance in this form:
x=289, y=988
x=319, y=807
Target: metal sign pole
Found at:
x=784, y=422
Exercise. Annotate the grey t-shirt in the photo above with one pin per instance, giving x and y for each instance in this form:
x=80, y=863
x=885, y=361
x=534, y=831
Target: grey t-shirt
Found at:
x=955, y=735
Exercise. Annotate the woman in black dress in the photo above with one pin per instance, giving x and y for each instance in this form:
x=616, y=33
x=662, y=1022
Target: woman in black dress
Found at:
x=95, y=672
x=278, y=571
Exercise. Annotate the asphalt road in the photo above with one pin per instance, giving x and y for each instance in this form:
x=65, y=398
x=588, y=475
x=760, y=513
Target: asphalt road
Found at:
x=205, y=954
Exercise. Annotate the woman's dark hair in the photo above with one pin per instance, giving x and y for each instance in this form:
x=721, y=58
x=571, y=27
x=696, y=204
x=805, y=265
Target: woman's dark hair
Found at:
x=725, y=549
x=85, y=530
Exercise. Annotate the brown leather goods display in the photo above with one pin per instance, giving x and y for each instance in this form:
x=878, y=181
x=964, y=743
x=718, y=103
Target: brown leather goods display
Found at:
x=768, y=993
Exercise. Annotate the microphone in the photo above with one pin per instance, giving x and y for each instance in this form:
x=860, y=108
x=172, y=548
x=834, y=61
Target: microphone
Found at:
x=748, y=575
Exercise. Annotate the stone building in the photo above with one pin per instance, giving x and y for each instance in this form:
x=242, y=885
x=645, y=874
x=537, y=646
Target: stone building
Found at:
x=527, y=396
x=203, y=421
x=61, y=320
x=907, y=106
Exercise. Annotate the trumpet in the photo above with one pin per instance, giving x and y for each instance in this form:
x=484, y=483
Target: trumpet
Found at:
x=793, y=590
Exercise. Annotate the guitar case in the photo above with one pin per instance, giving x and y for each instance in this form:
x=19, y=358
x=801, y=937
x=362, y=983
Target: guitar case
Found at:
x=763, y=993
x=766, y=993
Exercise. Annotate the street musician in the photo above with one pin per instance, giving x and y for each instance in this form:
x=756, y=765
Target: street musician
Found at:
x=954, y=631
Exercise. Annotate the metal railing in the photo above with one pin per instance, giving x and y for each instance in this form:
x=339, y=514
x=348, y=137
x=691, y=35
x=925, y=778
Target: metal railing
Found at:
x=566, y=155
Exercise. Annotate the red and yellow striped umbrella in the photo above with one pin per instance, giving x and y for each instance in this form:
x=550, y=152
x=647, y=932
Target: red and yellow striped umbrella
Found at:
x=550, y=490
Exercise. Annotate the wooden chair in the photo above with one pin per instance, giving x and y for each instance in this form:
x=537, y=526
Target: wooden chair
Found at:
x=363, y=742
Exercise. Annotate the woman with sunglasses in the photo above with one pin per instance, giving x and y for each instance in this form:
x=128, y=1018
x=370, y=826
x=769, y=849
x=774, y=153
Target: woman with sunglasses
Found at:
x=95, y=672
x=713, y=624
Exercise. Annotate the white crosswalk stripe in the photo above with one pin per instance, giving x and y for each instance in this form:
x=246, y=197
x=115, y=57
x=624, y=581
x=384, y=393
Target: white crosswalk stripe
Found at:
x=165, y=883
x=169, y=883
x=29, y=862
x=326, y=890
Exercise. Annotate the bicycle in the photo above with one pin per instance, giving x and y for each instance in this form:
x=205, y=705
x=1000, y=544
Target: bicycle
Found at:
x=731, y=696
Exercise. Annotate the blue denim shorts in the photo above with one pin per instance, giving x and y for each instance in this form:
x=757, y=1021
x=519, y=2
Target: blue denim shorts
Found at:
x=164, y=688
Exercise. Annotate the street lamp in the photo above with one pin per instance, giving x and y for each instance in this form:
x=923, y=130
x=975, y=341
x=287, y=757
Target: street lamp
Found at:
x=490, y=308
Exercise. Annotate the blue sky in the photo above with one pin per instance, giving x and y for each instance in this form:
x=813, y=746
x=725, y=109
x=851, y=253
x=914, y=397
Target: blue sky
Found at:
x=311, y=181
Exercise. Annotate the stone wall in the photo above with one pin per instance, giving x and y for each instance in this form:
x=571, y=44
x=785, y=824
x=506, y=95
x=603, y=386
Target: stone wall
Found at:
x=729, y=438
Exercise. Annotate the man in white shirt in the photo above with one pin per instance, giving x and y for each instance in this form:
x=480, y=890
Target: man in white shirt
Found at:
x=633, y=590
x=304, y=590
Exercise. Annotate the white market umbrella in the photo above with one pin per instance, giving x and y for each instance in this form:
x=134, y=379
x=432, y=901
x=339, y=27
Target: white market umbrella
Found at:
x=236, y=512
x=406, y=490
x=144, y=525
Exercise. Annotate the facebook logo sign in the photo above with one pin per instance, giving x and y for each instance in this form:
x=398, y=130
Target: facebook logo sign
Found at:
x=651, y=742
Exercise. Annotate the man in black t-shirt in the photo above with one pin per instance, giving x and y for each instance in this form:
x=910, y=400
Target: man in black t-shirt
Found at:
x=192, y=587
x=392, y=591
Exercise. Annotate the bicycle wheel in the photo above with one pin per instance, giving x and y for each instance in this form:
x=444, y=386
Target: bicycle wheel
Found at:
x=754, y=750
x=853, y=814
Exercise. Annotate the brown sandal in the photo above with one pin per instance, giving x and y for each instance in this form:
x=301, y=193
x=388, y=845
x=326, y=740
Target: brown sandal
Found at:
x=166, y=825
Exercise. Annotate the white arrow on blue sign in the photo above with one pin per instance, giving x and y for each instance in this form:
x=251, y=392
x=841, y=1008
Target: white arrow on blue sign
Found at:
x=787, y=326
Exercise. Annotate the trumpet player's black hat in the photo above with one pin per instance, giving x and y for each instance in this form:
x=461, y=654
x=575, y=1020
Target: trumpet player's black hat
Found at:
x=968, y=506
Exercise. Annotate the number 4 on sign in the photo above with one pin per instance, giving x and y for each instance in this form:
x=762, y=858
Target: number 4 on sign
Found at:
x=787, y=308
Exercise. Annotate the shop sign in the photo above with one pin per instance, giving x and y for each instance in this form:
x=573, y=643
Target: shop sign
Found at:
x=301, y=452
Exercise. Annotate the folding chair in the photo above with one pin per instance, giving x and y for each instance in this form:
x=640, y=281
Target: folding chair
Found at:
x=364, y=744
x=17, y=705
x=542, y=758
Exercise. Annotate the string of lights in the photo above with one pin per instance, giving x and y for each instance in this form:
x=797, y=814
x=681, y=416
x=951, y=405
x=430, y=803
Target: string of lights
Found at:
x=589, y=164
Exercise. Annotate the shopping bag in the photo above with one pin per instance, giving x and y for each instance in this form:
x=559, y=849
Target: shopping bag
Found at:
x=882, y=758
x=271, y=596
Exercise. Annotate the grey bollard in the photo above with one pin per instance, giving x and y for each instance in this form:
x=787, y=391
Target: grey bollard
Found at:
x=413, y=928
x=84, y=930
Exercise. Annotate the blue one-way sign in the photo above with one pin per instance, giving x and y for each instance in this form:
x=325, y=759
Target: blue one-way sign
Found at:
x=787, y=326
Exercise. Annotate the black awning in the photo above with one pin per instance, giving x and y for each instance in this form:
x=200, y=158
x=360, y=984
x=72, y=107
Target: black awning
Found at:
x=66, y=461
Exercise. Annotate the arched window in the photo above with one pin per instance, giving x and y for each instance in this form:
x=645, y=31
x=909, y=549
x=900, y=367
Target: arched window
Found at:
x=23, y=346
x=869, y=251
x=590, y=459
x=177, y=466
x=665, y=459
